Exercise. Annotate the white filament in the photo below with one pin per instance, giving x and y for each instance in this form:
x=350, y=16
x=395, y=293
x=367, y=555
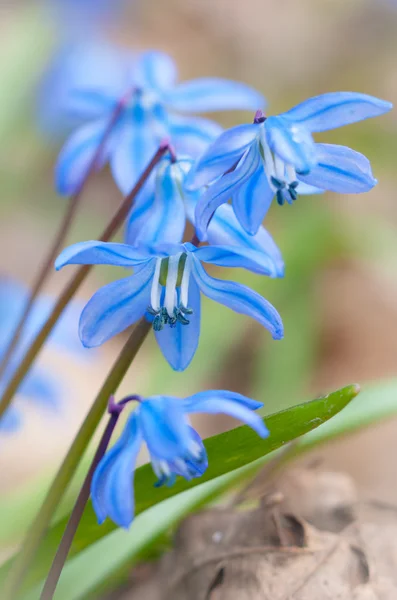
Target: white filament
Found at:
x=279, y=167
x=185, y=282
x=290, y=173
x=161, y=468
x=170, y=287
x=269, y=166
x=155, y=293
x=275, y=166
x=195, y=449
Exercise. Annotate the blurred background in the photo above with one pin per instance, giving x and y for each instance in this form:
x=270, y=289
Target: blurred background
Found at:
x=339, y=296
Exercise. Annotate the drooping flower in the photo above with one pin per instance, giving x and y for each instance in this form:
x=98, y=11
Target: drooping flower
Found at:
x=175, y=448
x=166, y=288
x=161, y=210
x=276, y=156
x=40, y=386
x=154, y=106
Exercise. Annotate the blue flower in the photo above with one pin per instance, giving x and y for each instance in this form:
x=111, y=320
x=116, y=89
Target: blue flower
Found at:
x=277, y=156
x=160, y=212
x=88, y=63
x=154, y=109
x=166, y=288
x=39, y=386
x=175, y=447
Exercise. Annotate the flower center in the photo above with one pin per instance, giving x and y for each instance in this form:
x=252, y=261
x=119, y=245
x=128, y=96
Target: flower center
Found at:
x=192, y=464
x=280, y=175
x=170, y=291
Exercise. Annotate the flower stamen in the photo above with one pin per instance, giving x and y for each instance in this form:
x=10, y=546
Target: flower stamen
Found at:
x=170, y=273
x=281, y=176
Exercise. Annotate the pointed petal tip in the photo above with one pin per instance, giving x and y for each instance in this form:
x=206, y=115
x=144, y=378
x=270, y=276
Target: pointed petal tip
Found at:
x=85, y=341
x=125, y=524
x=180, y=366
x=264, y=433
x=252, y=230
x=278, y=334
x=388, y=106
x=202, y=234
x=259, y=405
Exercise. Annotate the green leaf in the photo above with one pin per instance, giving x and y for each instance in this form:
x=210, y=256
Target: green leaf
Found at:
x=375, y=403
x=236, y=449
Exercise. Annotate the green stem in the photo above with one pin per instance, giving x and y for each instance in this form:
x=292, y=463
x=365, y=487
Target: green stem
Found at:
x=73, y=286
x=38, y=529
x=60, y=238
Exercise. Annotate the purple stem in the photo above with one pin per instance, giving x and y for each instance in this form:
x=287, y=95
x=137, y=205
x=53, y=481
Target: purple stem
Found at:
x=115, y=410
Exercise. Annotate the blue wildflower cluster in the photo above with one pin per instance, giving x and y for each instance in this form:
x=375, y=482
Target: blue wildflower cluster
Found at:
x=40, y=387
x=219, y=183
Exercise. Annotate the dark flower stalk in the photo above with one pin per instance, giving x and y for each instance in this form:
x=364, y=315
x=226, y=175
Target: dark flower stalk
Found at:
x=74, y=284
x=114, y=410
x=74, y=204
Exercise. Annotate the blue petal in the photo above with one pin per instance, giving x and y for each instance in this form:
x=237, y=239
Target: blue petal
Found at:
x=208, y=94
x=137, y=144
x=164, y=427
x=13, y=298
x=252, y=200
x=112, y=485
x=223, y=189
x=340, y=169
x=100, y=253
x=291, y=142
x=42, y=388
x=192, y=135
x=304, y=189
x=179, y=343
x=138, y=214
x=91, y=103
x=11, y=421
x=192, y=401
x=163, y=220
x=192, y=467
x=115, y=307
x=239, y=298
x=155, y=70
x=77, y=155
x=233, y=256
x=92, y=64
x=221, y=156
x=240, y=408
x=225, y=230
x=336, y=109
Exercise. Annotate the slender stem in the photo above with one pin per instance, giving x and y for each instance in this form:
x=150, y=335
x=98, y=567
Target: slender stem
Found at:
x=71, y=461
x=60, y=238
x=73, y=286
x=115, y=410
